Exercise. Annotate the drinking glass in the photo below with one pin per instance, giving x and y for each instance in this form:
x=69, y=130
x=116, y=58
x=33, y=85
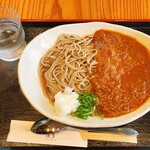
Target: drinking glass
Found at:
x=12, y=36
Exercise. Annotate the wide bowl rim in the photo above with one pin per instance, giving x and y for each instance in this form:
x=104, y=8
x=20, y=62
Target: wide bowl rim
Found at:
x=76, y=122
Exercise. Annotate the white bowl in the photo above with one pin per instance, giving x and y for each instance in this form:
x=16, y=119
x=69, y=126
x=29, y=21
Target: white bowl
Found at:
x=30, y=83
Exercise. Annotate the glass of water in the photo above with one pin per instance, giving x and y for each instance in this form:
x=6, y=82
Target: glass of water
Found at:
x=12, y=36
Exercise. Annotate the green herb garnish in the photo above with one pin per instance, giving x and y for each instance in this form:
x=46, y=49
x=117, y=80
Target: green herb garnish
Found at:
x=87, y=102
x=100, y=114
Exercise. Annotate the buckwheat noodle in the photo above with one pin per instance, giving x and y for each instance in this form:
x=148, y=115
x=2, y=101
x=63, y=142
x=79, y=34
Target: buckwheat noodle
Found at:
x=70, y=62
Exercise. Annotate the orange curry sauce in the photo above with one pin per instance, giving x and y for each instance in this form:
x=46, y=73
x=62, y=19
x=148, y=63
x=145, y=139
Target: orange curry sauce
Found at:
x=122, y=77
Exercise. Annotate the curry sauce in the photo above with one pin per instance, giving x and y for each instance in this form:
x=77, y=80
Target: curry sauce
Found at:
x=122, y=77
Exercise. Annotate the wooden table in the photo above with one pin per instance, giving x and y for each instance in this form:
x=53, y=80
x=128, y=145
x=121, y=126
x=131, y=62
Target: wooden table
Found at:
x=80, y=10
x=14, y=106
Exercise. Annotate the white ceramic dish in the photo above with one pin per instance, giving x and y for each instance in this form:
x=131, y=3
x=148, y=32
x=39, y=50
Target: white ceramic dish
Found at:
x=30, y=83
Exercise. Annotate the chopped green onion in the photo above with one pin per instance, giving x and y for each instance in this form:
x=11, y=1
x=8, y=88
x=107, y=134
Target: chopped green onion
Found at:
x=87, y=102
x=100, y=114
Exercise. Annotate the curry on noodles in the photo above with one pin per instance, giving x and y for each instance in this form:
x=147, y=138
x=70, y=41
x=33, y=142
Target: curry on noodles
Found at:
x=114, y=66
x=122, y=77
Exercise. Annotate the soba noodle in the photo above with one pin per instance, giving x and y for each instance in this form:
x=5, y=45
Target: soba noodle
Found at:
x=70, y=62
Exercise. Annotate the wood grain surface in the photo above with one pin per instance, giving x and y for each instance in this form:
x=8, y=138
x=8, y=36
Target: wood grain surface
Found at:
x=64, y=10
